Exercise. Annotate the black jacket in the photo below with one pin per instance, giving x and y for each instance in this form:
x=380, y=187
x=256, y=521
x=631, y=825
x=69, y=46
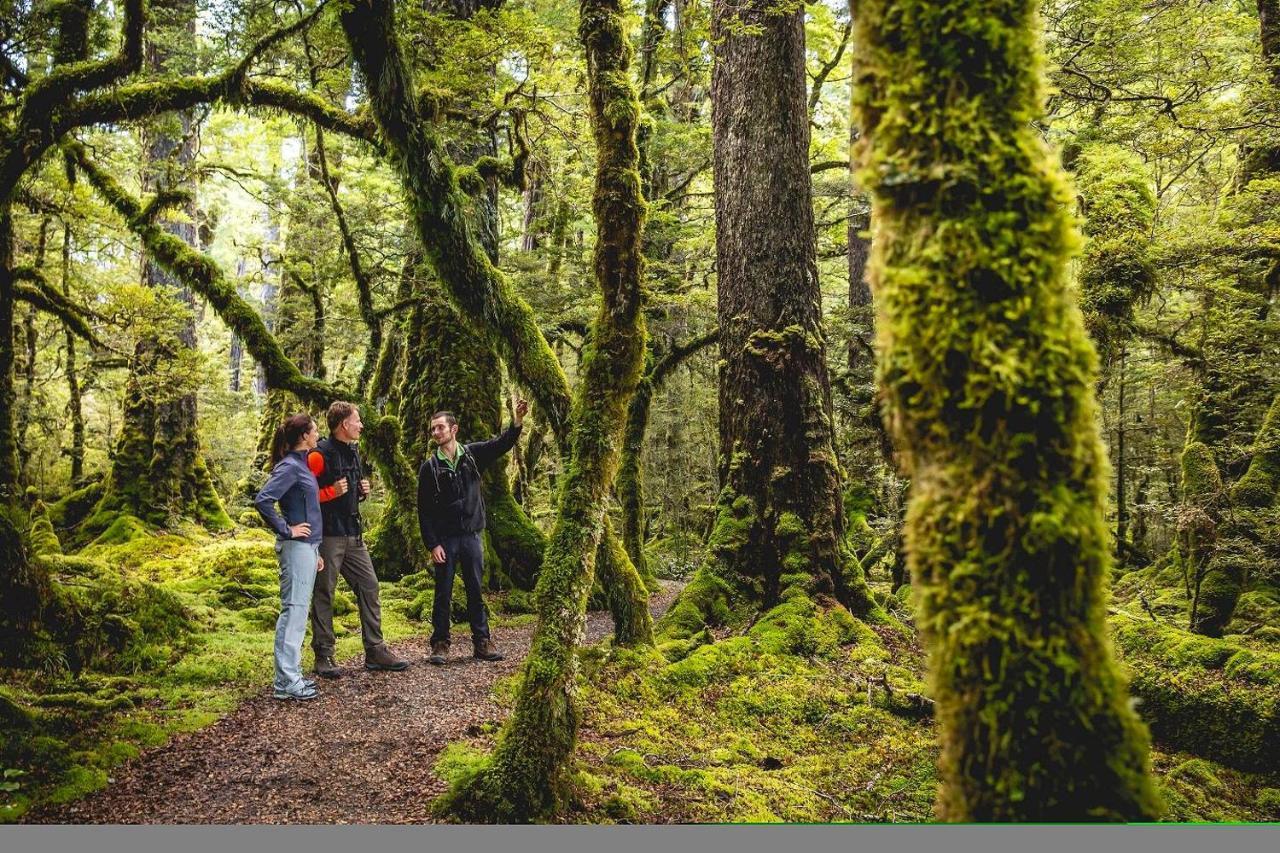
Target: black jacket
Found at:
x=450, y=502
x=331, y=461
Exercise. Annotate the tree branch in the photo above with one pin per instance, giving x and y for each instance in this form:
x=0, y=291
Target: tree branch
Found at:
x=32, y=288
x=202, y=275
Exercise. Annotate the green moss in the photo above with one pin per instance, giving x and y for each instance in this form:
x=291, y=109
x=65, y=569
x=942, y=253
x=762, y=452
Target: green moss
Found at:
x=1117, y=270
x=68, y=511
x=988, y=379
x=1202, y=695
x=122, y=528
x=1261, y=483
x=41, y=536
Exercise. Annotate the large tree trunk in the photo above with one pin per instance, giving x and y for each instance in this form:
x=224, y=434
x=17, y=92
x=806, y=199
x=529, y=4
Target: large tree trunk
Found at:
x=780, y=513
x=526, y=775
x=988, y=377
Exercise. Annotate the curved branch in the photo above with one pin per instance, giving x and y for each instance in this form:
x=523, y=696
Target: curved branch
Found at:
x=66, y=80
x=36, y=291
x=364, y=284
x=678, y=354
x=202, y=275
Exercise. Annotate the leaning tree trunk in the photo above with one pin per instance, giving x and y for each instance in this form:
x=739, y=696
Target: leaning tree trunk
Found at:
x=779, y=513
x=158, y=472
x=526, y=775
x=988, y=377
x=477, y=289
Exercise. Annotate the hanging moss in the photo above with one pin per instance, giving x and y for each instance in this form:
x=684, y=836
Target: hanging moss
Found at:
x=988, y=378
x=1117, y=270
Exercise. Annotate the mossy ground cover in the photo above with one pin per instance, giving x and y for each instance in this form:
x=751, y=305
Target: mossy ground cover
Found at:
x=788, y=719
x=64, y=730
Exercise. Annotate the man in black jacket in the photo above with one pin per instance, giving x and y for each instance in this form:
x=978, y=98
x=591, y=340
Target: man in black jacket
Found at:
x=451, y=517
x=343, y=486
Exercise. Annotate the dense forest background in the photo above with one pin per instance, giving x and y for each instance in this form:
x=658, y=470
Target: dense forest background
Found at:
x=248, y=208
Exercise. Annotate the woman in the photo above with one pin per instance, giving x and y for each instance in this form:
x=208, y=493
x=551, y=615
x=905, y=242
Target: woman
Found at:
x=298, y=533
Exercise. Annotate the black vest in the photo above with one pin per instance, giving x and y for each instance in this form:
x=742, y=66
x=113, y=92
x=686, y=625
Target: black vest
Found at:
x=342, y=514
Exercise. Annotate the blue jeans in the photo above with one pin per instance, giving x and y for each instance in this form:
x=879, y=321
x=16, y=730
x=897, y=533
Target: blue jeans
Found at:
x=297, y=579
x=465, y=552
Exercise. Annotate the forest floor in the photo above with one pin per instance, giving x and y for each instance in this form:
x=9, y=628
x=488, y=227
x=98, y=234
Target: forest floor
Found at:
x=364, y=752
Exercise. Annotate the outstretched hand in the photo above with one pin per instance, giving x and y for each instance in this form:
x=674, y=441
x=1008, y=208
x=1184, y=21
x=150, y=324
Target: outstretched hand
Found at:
x=522, y=409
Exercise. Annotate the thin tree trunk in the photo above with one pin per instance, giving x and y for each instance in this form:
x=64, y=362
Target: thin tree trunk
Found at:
x=988, y=377
x=75, y=407
x=526, y=776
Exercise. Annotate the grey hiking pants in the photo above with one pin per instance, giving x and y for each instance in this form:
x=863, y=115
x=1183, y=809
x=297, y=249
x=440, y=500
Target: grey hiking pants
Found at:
x=346, y=556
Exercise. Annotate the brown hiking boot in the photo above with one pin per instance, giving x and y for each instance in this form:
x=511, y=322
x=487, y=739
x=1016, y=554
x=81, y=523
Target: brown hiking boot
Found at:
x=439, y=653
x=326, y=667
x=381, y=657
x=486, y=650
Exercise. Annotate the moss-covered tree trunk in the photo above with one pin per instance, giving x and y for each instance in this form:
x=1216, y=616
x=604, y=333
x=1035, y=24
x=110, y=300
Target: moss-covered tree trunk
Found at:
x=157, y=470
x=1117, y=270
x=525, y=777
x=449, y=367
x=988, y=377
x=75, y=408
x=630, y=483
x=779, y=513
x=476, y=288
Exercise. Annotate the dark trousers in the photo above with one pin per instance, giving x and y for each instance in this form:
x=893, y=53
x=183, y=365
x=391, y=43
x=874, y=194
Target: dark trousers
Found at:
x=346, y=556
x=466, y=554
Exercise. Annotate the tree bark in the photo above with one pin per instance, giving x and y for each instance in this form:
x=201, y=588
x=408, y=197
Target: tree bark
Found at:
x=779, y=513
x=988, y=377
x=75, y=408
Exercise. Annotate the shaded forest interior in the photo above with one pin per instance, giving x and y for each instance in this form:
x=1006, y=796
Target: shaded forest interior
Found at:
x=926, y=353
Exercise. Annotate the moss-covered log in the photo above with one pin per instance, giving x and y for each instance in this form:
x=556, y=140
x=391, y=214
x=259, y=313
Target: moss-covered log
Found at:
x=525, y=778
x=1209, y=697
x=630, y=483
x=988, y=377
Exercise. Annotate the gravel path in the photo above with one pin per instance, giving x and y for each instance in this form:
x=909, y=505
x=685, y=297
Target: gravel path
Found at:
x=361, y=753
